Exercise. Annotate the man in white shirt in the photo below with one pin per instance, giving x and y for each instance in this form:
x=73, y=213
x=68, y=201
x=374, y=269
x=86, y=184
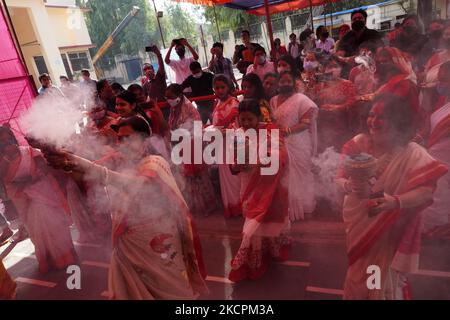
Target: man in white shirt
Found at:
x=324, y=42
x=47, y=88
x=181, y=67
x=294, y=46
x=261, y=66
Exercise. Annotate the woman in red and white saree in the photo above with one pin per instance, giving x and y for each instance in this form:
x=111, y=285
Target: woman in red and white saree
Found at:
x=335, y=98
x=225, y=116
x=196, y=185
x=396, y=76
x=264, y=203
x=42, y=205
x=385, y=231
x=156, y=251
x=296, y=114
x=437, y=216
x=7, y=285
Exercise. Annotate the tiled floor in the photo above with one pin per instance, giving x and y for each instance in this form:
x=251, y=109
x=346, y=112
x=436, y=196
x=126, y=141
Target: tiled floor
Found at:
x=316, y=268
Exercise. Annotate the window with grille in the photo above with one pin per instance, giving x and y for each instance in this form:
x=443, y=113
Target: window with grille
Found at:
x=40, y=64
x=79, y=61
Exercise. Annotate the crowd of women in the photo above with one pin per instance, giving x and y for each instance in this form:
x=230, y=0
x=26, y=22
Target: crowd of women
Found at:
x=377, y=105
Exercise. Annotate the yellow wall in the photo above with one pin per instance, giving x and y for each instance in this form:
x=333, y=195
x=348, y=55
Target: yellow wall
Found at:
x=27, y=39
x=69, y=27
x=49, y=28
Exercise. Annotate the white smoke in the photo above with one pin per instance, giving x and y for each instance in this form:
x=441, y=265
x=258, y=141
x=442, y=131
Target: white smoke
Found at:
x=53, y=120
x=325, y=169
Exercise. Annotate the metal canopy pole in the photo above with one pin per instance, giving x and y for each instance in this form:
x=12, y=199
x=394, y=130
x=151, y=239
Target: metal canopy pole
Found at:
x=217, y=23
x=311, y=13
x=269, y=25
x=159, y=25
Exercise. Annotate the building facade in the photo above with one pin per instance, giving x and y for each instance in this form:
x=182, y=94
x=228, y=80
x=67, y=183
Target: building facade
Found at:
x=53, y=37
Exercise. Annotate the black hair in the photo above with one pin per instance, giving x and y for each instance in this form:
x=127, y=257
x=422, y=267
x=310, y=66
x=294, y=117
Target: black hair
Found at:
x=101, y=84
x=85, y=71
x=292, y=35
x=7, y=129
x=138, y=124
x=195, y=65
x=319, y=30
x=257, y=83
x=117, y=86
x=218, y=44
x=250, y=105
x=136, y=87
x=64, y=77
x=292, y=63
x=246, y=32
x=224, y=79
x=128, y=96
x=361, y=11
x=175, y=88
x=305, y=34
x=259, y=48
x=147, y=65
x=271, y=75
x=42, y=76
x=399, y=112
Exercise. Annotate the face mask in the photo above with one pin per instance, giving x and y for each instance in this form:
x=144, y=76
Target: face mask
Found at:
x=173, y=102
x=286, y=89
x=310, y=65
x=443, y=90
x=197, y=75
x=261, y=59
x=358, y=25
x=283, y=69
x=99, y=115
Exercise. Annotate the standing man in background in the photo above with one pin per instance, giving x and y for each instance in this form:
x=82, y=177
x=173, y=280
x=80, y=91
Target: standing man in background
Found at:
x=201, y=84
x=243, y=54
x=181, y=67
x=221, y=65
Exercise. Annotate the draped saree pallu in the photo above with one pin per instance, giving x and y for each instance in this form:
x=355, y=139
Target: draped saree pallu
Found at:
x=7, y=285
x=157, y=253
x=301, y=147
x=265, y=207
x=391, y=239
x=438, y=214
x=224, y=116
x=43, y=207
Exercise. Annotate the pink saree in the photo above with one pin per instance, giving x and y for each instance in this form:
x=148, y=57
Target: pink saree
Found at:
x=43, y=208
x=224, y=115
